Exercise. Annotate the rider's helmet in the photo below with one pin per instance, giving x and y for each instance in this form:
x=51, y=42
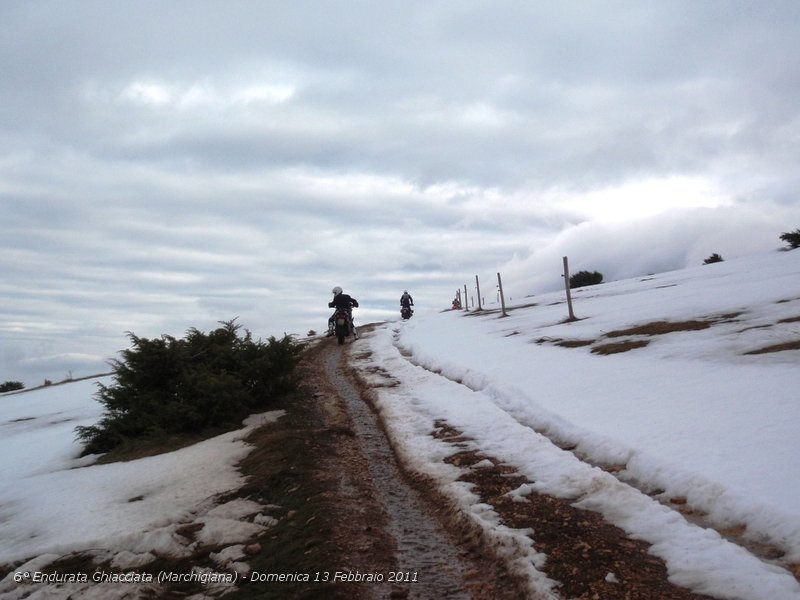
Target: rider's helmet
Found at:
x=405, y=291
x=336, y=291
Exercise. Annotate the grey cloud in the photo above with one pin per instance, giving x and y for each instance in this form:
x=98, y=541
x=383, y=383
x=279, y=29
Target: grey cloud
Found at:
x=675, y=239
x=168, y=165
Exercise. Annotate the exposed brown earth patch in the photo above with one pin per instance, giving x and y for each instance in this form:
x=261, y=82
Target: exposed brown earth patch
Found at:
x=660, y=328
x=793, y=345
x=651, y=329
x=574, y=343
x=589, y=557
x=617, y=347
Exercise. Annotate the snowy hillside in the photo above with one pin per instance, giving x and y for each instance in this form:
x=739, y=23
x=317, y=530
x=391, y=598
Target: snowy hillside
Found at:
x=129, y=510
x=683, y=386
x=685, y=436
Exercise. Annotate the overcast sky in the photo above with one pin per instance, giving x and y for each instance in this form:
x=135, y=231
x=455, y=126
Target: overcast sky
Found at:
x=170, y=164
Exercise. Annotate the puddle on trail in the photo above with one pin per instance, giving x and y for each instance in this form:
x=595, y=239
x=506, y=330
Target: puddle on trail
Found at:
x=421, y=548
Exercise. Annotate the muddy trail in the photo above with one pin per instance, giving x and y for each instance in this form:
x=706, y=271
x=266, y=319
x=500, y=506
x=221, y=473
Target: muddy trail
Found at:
x=392, y=531
x=424, y=556
x=438, y=551
x=400, y=538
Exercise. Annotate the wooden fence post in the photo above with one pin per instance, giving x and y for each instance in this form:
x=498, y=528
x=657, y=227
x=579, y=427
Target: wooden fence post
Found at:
x=466, y=298
x=569, y=293
x=478, y=285
x=502, y=298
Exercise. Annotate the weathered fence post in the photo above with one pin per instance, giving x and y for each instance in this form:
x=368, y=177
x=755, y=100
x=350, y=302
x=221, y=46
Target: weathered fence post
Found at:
x=478, y=285
x=569, y=293
x=502, y=298
x=466, y=298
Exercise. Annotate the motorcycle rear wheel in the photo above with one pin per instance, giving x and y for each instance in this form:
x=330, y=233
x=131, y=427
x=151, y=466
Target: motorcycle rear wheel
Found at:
x=341, y=333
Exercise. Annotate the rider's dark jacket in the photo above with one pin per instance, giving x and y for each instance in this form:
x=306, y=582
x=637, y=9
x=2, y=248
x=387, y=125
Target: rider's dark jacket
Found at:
x=406, y=299
x=343, y=301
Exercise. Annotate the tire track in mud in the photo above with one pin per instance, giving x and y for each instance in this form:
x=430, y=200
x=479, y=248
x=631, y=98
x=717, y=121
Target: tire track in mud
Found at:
x=496, y=482
x=421, y=550
x=436, y=564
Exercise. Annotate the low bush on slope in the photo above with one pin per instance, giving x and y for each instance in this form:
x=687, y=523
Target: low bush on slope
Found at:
x=203, y=382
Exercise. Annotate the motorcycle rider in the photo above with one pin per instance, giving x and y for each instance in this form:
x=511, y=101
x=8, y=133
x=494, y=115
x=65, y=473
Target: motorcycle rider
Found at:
x=344, y=302
x=406, y=300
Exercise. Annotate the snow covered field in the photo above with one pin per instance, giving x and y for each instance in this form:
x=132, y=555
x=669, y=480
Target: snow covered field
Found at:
x=129, y=511
x=689, y=418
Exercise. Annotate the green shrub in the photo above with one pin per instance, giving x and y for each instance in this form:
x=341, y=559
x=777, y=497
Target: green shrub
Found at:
x=792, y=238
x=202, y=382
x=583, y=278
x=11, y=386
x=714, y=258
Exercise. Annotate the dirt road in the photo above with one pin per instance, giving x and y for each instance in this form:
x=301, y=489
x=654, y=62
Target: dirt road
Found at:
x=369, y=518
x=387, y=534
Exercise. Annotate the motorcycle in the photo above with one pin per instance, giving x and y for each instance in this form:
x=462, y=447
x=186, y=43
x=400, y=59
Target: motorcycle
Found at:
x=343, y=326
x=406, y=312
